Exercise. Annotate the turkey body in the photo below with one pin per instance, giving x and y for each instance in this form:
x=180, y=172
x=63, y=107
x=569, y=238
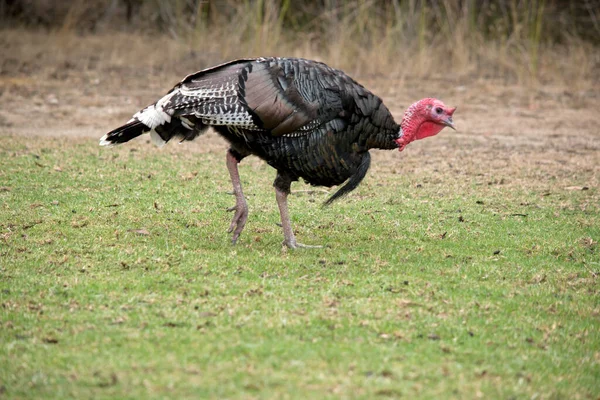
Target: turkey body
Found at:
x=303, y=118
x=322, y=128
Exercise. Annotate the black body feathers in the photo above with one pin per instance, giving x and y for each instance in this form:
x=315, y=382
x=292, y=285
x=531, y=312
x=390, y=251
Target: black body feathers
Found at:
x=302, y=117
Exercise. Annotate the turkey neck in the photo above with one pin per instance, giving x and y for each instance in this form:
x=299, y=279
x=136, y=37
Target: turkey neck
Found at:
x=383, y=138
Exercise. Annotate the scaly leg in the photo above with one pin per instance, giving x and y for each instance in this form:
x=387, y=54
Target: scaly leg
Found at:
x=282, y=188
x=241, y=207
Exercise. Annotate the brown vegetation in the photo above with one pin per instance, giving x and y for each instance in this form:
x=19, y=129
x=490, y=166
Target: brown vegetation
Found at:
x=526, y=42
x=92, y=66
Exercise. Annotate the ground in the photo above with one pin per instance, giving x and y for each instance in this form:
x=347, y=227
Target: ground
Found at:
x=465, y=266
x=541, y=138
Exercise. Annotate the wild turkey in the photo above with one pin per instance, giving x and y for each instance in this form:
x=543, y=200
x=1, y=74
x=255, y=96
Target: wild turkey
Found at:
x=303, y=118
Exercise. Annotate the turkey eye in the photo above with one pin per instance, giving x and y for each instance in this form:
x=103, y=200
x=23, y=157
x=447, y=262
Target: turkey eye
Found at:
x=438, y=110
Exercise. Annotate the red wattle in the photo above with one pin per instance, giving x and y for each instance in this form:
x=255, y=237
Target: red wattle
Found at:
x=427, y=129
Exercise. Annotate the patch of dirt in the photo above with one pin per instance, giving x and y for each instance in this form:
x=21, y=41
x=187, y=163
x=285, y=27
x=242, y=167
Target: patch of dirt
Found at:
x=507, y=135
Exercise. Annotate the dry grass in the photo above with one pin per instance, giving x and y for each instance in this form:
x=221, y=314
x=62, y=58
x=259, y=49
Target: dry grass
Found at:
x=522, y=43
x=511, y=61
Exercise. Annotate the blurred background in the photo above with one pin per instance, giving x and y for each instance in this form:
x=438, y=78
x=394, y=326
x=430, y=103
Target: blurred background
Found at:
x=520, y=41
x=62, y=60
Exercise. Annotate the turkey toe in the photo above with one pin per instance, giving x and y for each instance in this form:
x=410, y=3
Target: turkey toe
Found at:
x=238, y=221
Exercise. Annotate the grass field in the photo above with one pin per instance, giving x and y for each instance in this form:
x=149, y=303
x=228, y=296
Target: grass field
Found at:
x=118, y=279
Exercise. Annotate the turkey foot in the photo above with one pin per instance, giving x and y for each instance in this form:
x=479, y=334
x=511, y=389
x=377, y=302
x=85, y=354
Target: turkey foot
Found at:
x=289, y=238
x=239, y=219
x=241, y=207
x=295, y=245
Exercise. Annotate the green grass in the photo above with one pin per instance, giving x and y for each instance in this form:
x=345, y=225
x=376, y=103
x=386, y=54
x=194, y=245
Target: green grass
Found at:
x=118, y=280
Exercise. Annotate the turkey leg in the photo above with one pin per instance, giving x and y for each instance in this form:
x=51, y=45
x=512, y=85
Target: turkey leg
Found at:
x=241, y=207
x=282, y=189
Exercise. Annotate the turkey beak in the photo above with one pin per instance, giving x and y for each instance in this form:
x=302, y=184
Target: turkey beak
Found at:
x=448, y=121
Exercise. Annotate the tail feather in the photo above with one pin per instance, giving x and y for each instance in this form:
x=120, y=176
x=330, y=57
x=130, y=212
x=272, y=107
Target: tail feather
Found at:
x=354, y=180
x=125, y=133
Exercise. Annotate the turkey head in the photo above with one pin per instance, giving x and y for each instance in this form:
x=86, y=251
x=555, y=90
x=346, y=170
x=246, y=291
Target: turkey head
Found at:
x=426, y=117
